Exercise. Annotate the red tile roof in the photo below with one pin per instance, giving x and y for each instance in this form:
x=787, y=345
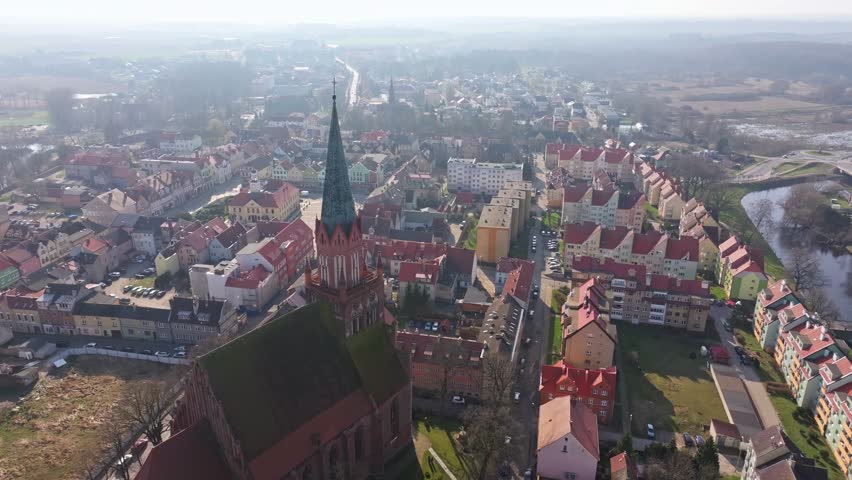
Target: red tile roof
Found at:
x=683, y=248
x=575, y=194
x=248, y=279
x=728, y=246
x=190, y=453
x=602, y=197
x=417, y=344
x=665, y=283
x=616, y=155
x=613, y=237
x=569, y=151
x=419, y=272
x=643, y=243
x=590, y=154
x=563, y=416
x=610, y=266
x=577, y=233
x=519, y=281
x=464, y=198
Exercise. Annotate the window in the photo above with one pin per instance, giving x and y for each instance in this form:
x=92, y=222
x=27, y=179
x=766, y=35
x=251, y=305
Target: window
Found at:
x=591, y=401
x=562, y=387
x=394, y=417
x=333, y=466
x=604, y=403
x=359, y=443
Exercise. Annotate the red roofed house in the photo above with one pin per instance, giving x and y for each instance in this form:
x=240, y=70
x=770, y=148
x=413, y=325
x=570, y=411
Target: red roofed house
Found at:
x=681, y=258
x=588, y=338
x=19, y=310
x=740, y=270
x=418, y=277
x=584, y=204
x=567, y=440
x=623, y=467
x=195, y=247
x=594, y=388
x=286, y=254
x=276, y=200
x=518, y=280
x=810, y=358
x=107, y=167
x=434, y=356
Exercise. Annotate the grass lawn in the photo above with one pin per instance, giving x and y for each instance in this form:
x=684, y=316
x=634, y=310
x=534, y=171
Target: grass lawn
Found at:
x=470, y=240
x=737, y=219
x=24, y=118
x=665, y=386
x=147, y=282
x=805, y=434
x=437, y=434
x=786, y=167
x=651, y=211
x=810, y=168
x=61, y=425
x=718, y=292
x=817, y=152
x=550, y=220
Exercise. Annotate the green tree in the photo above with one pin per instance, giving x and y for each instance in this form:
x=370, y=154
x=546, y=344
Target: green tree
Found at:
x=707, y=459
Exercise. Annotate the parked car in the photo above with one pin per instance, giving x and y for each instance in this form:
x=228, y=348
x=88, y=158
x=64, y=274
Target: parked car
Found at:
x=127, y=288
x=458, y=400
x=139, y=446
x=179, y=355
x=180, y=348
x=92, y=345
x=140, y=275
x=727, y=326
x=745, y=360
x=108, y=347
x=687, y=440
x=146, y=352
x=649, y=432
x=62, y=344
x=517, y=397
x=161, y=294
x=114, y=275
x=740, y=350
x=127, y=349
x=699, y=440
x=161, y=354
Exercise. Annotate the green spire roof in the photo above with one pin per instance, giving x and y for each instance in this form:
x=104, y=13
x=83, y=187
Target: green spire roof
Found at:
x=338, y=208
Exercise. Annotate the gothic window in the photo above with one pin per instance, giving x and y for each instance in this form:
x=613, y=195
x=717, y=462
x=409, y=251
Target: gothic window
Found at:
x=333, y=463
x=394, y=417
x=359, y=443
x=307, y=473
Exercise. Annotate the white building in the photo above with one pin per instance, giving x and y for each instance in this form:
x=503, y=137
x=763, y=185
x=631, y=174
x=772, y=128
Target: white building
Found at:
x=469, y=175
x=181, y=143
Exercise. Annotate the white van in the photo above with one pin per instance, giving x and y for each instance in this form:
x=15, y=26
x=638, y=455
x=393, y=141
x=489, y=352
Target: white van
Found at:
x=517, y=397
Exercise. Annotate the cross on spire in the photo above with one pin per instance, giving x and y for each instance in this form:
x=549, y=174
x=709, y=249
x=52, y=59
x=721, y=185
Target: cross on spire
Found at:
x=334, y=88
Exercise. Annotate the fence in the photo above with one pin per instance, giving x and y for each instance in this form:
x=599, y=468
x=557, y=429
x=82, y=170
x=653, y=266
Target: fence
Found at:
x=117, y=353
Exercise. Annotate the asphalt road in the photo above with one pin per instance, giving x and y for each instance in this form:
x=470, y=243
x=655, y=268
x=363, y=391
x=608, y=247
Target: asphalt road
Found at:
x=765, y=168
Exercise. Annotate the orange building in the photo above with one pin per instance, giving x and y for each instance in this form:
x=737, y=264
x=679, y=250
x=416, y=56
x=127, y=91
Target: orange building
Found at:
x=588, y=337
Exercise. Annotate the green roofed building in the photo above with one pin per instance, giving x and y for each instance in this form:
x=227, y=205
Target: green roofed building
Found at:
x=294, y=399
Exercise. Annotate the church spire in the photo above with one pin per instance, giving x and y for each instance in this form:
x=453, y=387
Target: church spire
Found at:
x=391, y=94
x=338, y=207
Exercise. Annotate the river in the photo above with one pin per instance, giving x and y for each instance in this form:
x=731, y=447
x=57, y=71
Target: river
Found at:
x=835, y=267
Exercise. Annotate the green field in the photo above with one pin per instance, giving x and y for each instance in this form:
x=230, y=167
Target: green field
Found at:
x=718, y=292
x=665, y=386
x=23, y=118
x=810, y=168
x=550, y=221
x=437, y=434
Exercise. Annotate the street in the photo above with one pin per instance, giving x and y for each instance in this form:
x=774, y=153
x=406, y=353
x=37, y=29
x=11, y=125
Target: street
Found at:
x=765, y=168
x=231, y=187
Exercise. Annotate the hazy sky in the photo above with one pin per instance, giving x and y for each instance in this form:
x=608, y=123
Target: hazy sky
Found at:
x=344, y=11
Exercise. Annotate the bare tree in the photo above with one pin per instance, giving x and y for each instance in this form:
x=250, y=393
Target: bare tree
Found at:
x=676, y=466
x=498, y=373
x=819, y=302
x=801, y=205
x=695, y=174
x=486, y=428
x=761, y=217
x=717, y=199
x=804, y=270
x=116, y=447
x=145, y=408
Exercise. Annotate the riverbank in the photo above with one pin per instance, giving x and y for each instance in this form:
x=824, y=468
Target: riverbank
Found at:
x=737, y=221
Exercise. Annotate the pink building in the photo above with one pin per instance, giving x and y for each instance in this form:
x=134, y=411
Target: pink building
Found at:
x=567, y=440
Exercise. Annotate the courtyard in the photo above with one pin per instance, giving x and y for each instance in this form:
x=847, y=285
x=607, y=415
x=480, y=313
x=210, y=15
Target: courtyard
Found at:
x=668, y=382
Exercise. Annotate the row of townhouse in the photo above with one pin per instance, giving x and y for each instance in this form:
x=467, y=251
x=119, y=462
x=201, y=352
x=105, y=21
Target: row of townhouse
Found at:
x=480, y=178
x=812, y=362
x=73, y=309
x=659, y=253
x=252, y=276
x=439, y=362
x=696, y=222
x=206, y=170
x=660, y=190
x=503, y=219
x=739, y=270
x=641, y=298
x=366, y=171
x=584, y=162
x=607, y=207
x=586, y=369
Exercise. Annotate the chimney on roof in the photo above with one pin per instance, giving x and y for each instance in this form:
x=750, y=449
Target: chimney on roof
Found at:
x=808, y=324
x=783, y=285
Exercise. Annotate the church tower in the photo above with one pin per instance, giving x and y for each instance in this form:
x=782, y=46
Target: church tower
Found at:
x=391, y=94
x=342, y=277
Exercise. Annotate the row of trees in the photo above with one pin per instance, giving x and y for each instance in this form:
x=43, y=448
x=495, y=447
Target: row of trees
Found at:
x=666, y=462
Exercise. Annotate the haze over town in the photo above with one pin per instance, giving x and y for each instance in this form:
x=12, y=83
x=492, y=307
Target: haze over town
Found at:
x=445, y=240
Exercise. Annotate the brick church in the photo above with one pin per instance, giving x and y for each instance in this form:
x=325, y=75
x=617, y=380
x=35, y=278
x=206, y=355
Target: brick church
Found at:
x=316, y=394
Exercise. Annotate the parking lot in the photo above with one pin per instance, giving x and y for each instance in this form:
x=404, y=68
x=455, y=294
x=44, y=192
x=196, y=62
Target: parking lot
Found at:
x=129, y=278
